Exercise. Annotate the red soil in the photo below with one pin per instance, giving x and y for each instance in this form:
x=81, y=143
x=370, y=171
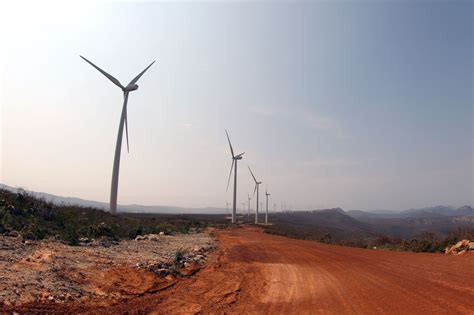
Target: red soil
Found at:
x=253, y=272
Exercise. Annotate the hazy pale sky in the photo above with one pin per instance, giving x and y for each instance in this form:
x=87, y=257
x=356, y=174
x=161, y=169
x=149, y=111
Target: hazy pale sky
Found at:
x=357, y=104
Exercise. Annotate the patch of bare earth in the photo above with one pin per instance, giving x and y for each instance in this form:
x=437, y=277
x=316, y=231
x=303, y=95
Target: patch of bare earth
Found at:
x=50, y=275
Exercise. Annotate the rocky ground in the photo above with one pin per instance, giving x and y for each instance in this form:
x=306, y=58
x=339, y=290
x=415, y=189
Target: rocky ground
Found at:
x=97, y=271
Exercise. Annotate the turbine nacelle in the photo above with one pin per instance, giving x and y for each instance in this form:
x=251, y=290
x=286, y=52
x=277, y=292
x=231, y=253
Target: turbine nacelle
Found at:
x=131, y=87
x=239, y=156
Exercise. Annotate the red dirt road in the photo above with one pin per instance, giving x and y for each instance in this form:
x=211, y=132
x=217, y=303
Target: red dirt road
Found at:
x=307, y=277
x=256, y=273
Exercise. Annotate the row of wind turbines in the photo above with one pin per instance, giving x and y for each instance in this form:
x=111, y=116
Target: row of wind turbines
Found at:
x=233, y=167
x=132, y=86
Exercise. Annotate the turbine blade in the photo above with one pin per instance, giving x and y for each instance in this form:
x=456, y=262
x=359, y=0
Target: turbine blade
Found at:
x=252, y=175
x=254, y=190
x=230, y=174
x=231, y=150
x=140, y=74
x=111, y=78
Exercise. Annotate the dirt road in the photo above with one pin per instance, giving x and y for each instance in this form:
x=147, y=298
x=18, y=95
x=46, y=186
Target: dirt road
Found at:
x=253, y=272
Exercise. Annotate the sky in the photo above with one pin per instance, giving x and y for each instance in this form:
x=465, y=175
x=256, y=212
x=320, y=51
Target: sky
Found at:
x=354, y=104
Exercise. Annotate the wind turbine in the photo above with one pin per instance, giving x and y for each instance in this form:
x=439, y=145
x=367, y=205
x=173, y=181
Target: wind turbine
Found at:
x=248, y=209
x=227, y=204
x=266, y=212
x=235, y=158
x=132, y=86
x=243, y=207
x=257, y=184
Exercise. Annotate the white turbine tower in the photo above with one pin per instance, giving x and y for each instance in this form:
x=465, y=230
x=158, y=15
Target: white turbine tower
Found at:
x=132, y=86
x=227, y=211
x=257, y=184
x=248, y=209
x=235, y=158
x=266, y=212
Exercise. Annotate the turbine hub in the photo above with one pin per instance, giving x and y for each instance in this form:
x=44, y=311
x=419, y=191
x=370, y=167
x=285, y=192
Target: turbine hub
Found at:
x=131, y=87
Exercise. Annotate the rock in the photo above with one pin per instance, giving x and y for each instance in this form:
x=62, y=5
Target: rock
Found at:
x=162, y=233
x=189, y=269
x=471, y=245
x=13, y=233
x=84, y=240
x=461, y=244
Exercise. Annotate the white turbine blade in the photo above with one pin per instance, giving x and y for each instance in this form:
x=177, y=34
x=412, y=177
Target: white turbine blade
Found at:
x=140, y=74
x=230, y=174
x=111, y=78
x=230, y=144
x=252, y=175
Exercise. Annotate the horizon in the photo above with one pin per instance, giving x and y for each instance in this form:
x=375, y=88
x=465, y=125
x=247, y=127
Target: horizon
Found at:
x=365, y=106
x=220, y=208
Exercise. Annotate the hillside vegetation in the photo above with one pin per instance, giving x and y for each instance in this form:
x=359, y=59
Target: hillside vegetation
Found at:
x=35, y=218
x=334, y=226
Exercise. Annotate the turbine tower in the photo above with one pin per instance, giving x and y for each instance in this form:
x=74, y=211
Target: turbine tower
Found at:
x=227, y=211
x=248, y=209
x=235, y=158
x=132, y=86
x=266, y=212
x=257, y=184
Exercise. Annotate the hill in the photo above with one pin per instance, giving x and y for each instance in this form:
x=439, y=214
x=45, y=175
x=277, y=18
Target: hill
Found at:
x=133, y=208
x=37, y=218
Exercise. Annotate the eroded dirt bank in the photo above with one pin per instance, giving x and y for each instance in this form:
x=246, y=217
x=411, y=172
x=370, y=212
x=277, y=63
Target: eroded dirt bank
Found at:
x=252, y=272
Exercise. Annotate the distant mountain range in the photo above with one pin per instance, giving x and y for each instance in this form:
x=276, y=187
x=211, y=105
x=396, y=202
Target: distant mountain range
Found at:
x=362, y=216
x=59, y=200
x=437, y=211
x=352, y=226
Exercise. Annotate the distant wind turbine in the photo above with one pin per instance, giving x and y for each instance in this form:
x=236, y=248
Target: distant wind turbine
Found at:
x=132, y=86
x=248, y=209
x=235, y=158
x=257, y=184
x=227, y=204
x=266, y=212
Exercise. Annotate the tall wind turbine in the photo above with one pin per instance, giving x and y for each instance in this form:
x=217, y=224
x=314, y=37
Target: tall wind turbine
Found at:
x=257, y=184
x=266, y=212
x=132, y=86
x=235, y=158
